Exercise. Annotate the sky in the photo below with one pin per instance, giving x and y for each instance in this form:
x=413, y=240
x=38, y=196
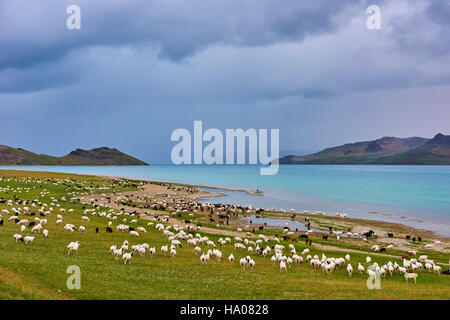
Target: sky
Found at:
x=139, y=69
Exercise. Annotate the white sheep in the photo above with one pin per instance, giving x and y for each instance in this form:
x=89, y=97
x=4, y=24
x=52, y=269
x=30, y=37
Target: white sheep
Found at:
x=73, y=247
x=360, y=268
x=141, y=229
x=204, y=258
x=134, y=233
x=28, y=239
x=437, y=269
x=127, y=257
x=18, y=237
x=349, y=270
x=410, y=276
x=283, y=266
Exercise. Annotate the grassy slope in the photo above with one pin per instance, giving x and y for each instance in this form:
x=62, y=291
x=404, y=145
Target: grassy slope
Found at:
x=97, y=156
x=38, y=270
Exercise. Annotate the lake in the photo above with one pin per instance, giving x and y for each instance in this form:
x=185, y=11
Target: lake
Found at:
x=414, y=195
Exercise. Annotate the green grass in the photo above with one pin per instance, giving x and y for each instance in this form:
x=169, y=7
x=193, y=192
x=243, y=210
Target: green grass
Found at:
x=38, y=271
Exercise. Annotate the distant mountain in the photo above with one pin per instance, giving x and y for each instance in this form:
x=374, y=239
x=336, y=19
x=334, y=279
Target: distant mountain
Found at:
x=94, y=157
x=387, y=150
x=434, y=151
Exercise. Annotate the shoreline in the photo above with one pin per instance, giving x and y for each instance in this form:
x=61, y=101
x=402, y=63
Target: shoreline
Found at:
x=280, y=214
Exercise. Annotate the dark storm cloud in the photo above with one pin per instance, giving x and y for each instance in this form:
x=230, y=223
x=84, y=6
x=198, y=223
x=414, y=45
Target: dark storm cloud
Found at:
x=139, y=69
x=177, y=28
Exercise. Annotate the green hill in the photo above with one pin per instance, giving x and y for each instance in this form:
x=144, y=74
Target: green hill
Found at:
x=387, y=150
x=95, y=157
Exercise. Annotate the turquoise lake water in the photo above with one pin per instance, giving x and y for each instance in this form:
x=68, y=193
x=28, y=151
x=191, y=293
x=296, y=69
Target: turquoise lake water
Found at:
x=414, y=195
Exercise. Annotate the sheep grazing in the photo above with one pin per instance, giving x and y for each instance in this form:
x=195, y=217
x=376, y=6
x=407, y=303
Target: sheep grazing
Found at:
x=349, y=270
x=204, y=258
x=252, y=263
x=437, y=269
x=37, y=228
x=45, y=233
x=283, y=266
x=360, y=268
x=141, y=229
x=69, y=227
x=197, y=250
x=28, y=239
x=82, y=228
x=117, y=253
x=152, y=251
x=134, y=233
x=368, y=259
x=410, y=276
x=164, y=249
x=176, y=243
x=390, y=269
x=22, y=222
x=243, y=262
x=173, y=253
x=127, y=257
x=231, y=258
x=73, y=247
x=18, y=237
x=273, y=259
x=401, y=269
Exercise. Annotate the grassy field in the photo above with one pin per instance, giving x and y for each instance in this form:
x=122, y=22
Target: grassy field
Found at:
x=38, y=270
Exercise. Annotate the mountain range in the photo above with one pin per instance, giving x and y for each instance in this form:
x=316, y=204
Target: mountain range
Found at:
x=387, y=150
x=95, y=157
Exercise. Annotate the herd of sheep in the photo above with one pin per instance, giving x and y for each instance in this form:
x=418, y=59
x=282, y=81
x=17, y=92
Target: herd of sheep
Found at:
x=185, y=237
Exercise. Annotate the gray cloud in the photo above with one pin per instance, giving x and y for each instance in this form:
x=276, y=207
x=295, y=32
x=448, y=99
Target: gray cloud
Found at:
x=139, y=69
x=177, y=28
